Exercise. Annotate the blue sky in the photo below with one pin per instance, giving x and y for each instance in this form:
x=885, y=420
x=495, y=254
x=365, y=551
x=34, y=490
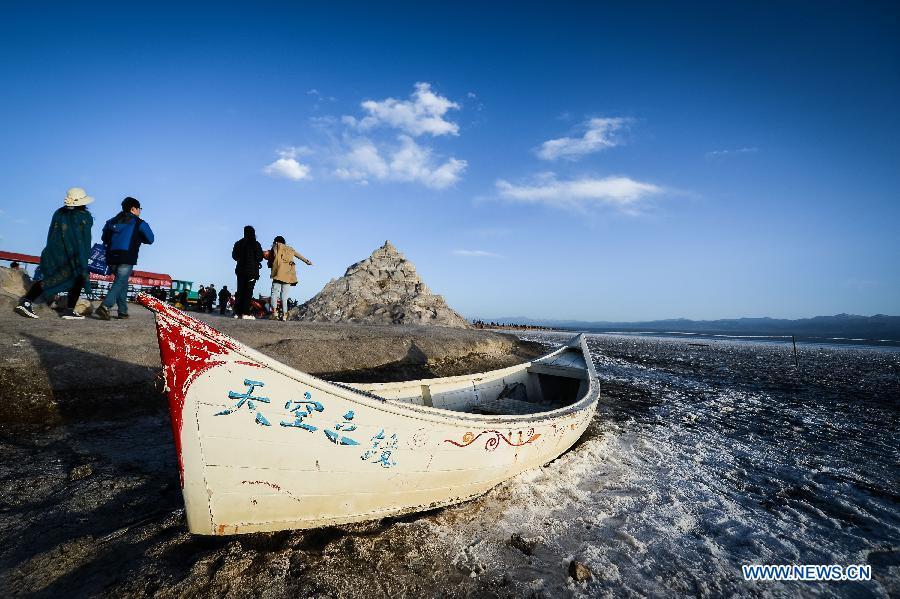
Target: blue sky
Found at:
x=566, y=161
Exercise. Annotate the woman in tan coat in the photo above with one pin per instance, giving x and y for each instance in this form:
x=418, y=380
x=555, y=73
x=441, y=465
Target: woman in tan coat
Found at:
x=284, y=275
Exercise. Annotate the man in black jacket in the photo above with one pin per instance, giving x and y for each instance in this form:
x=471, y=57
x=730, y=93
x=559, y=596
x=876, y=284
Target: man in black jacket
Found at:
x=224, y=296
x=210, y=298
x=248, y=254
x=201, y=293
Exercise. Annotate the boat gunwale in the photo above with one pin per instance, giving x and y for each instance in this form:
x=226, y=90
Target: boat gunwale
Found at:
x=367, y=399
x=458, y=377
x=558, y=412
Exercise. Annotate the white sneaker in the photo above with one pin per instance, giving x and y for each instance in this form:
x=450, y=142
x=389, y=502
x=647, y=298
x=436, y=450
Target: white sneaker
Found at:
x=26, y=309
x=248, y=317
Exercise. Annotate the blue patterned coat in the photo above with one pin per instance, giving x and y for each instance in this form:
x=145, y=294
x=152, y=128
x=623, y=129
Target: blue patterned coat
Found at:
x=68, y=248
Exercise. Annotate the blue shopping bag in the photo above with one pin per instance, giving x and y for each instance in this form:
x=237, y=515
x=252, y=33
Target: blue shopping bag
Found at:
x=97, y=261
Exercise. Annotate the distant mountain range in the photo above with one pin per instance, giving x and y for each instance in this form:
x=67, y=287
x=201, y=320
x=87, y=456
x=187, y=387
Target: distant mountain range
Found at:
x=850, y=326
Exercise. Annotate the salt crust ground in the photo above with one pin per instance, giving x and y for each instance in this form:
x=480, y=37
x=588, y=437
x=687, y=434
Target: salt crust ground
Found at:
x=89, y=497
x=656, y=499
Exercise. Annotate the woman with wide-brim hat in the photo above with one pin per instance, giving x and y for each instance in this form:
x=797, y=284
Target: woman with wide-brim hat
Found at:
x=64, y=261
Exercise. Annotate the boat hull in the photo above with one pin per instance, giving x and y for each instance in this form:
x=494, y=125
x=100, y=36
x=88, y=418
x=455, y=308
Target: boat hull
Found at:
x=263, y=447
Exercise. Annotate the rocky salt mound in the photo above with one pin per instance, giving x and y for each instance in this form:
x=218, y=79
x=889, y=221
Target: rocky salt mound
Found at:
x=382, y=289
x=13, y=285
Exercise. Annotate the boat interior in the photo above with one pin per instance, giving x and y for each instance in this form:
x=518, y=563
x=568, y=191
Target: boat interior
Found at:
x=546, y=384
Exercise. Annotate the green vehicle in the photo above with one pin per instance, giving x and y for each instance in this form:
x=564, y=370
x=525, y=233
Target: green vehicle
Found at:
x=183, y=294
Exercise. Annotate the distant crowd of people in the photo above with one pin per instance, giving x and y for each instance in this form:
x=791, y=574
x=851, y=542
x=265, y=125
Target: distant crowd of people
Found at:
x=209, y=300
x=207, y=296
x=480, y=324
x=66, y=256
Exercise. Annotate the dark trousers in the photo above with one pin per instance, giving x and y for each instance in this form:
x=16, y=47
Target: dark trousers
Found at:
x=243, y=296
x=37, y=288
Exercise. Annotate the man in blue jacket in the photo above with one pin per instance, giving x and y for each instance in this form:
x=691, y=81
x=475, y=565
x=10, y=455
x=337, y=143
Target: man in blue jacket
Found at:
x=123, y=236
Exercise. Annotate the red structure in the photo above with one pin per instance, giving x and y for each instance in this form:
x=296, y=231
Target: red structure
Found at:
x=138, y=278
x=22, y=258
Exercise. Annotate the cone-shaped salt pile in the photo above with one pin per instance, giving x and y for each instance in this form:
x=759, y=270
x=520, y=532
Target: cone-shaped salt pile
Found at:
x=382, y=289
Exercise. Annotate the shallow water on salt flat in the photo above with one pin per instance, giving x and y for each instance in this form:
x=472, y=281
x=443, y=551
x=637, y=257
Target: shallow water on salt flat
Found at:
x=706, y=457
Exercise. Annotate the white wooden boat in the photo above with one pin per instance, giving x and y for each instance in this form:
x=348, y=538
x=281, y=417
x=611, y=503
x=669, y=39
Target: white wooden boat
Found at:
x=262, y=446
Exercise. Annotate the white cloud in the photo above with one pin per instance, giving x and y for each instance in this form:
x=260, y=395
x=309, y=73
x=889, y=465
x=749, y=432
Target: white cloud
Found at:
x=476, y=254
x=623, y=193
x=294, y=151
x=412, y=162
x=318, y=95
x=361, y=162
x=726, y=153
x=422, y=113
x=380, y=144
x=599, y=135
x=287, y=166
x=406, y=161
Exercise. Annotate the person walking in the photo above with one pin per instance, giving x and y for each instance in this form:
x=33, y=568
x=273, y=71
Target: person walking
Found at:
x=64, y=260
x=224, y=296
x=211, y=294
x=123, y=235
x=284, y=275
x=201, y=293
x=248, y=254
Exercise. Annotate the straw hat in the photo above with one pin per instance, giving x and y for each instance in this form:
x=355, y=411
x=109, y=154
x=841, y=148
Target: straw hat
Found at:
x=76, y=196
